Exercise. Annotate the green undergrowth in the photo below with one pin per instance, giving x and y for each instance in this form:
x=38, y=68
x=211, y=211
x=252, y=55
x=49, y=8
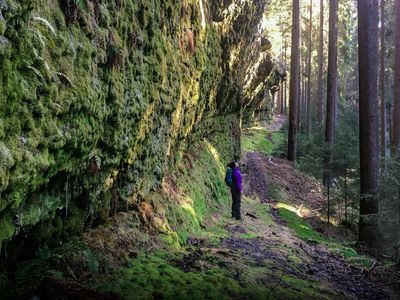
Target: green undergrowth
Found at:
x=306, y=232
x=302, y=229
x=255, y=139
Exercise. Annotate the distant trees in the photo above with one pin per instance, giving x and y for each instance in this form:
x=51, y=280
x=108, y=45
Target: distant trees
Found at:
x=368, y=12
x=294, y=81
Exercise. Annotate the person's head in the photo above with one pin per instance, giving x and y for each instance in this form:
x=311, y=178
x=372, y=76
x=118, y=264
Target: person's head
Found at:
x=232, y=165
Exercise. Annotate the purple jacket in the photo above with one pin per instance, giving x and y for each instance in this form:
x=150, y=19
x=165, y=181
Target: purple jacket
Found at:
x=237, y=179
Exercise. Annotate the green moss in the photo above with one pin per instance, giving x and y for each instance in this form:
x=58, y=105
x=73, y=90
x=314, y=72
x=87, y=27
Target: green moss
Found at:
x=255, y=139
x=203, y=191
x=152, y=277
x=122, y=93
x=297, y=288
x=214, y=234
x=260, y=210
x=249, y=235
x=300, y=227
x=304, y=231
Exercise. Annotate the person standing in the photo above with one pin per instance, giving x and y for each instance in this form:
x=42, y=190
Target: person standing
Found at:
x=236, y=189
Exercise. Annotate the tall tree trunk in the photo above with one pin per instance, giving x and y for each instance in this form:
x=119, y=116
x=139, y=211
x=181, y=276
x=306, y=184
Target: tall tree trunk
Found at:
x=277, y=98
x=294, y=82
x=286, y=80
x=368, y=55
x=282, y=97
x=331, y=88
x=320, y=62
x=396, y=92
x=382, y=82
x=308, y=126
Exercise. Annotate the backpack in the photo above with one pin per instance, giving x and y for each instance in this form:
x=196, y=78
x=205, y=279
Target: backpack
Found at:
x=229, y=177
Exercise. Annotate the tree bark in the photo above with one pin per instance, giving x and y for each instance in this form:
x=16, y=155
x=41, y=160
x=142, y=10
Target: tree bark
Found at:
x=368, y=52
x=294, y=82
x=285, y=82
x=308, y=125
x=396, y=92
x=382, y=82
x=320, y=62
x=331, y=88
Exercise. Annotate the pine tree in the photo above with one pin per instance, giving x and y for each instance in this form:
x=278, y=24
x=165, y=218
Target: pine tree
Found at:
x=320, y=62
x=308, y=123
x=294, y=81
x=382, y=81
x=396, y=92
x=331, y=88
x=368, y=12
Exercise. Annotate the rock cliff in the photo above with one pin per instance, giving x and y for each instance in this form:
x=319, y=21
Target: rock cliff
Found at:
x=99, y=100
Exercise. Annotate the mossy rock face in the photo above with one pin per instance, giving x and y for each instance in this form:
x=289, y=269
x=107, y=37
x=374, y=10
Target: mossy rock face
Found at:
x=97, y=104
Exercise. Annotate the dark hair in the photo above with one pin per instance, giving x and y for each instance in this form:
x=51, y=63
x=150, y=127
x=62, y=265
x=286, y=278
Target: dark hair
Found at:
x=232, y=164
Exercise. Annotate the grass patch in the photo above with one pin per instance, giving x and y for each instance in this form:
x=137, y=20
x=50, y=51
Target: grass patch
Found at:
x=214, y=234
x=249, y=235
x=301, y=228
x=255, y=139
x=304, y=231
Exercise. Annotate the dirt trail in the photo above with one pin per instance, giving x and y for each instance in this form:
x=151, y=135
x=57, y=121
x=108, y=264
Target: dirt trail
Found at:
x=318, y=264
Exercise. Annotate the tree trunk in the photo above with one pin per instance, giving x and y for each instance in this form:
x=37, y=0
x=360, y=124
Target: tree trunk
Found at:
x=320, y=62
x=277, y=99
x=285, y=82
x=331, y=88
x=382, y=82
x=282, y=97
x=368, y=53
x=396, y=92
x=308, y=126
x=294, y=82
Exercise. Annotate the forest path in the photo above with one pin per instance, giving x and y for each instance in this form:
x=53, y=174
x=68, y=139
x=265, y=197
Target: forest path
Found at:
x=306, y=255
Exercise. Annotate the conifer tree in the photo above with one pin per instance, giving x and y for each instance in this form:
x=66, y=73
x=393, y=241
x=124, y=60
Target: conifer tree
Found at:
x=294, y=81
x=368, y=12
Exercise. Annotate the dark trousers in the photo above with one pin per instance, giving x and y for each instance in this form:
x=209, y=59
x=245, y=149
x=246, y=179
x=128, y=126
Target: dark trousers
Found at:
x=235, y=203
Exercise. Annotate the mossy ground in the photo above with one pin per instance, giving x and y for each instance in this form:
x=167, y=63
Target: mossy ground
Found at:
x=261, y=257
x=228, y=260
x=255, y=139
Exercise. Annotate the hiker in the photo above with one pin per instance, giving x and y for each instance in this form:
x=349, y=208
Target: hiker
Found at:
x=233, y=179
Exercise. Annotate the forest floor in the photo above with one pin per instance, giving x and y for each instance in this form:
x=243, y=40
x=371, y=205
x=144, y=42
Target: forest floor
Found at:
x=282, y=249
